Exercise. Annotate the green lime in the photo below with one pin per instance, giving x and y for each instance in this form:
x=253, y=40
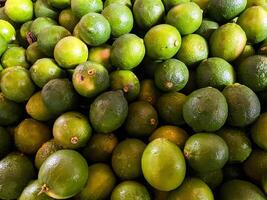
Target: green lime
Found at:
x=44, y=70
x=94, y=29
x=148, y=13
x=264, y=183
x=33, y=53
x=215, y=72
x=71, y=171
x=3, y=45
x=212, y=178
x=173, y=133
x=130, y=190
x=206, y=152
x=60, y=4
x=127, y=81
x=258, y=131
x=262, y=3
x=83, y=7
x=3, y=16
x=207, y=27
x=192, y=189
x=162, y=42
x=120, y=18
x=15, y=56
x=101, y=181
x=40, y=24
x=30, y=141
x=168, y=165
x=228, y=42
x=72, y=130
x=90, y=79
x=25, y=29
x=19, y=10
x=243, y=105
x=16, y=84
x=194, y=49
x=225, y=10
x=126, y=159
x=5, y=142
x=142, y=119
x=127, y=51
x=203, y=4
x=252, y=21
x=148, y=91
x=7, y=31
x=186, y=17
x=247, y=52
x=70, y=51
x=67, y=19
x=43, y=9
x=171, y=75
x=101, y=55
x=205, y=110
x=252, y=72
x=238, y=144
x=171, y=3
x=123, y=2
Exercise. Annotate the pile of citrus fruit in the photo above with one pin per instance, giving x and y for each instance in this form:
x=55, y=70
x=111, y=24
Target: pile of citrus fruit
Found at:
x=133, y=99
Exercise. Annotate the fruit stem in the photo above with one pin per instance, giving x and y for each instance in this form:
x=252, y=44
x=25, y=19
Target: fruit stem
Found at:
x=43, y=189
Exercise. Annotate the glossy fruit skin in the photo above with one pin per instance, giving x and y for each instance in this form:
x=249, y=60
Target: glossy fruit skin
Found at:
x=158, y=38
x=81, y=7
x=120, y=18
x=16, y=170
x=101, y=181
x=224, y=10
x=186, y=17
x=215, y=72
x=171, y=3
x=3, y=45
x=257, y=27
x=43, y=9
x=206, y=152
x=205, y=110
x=130, y=190
x=90, y=79
x=5, y=142
x=148, y=92
x=70, y=181
x=31, y=192
x=192, y=189
x=126, y=159
x=238, y=144
x=14, y=56
x=248, y=51
x=72, y=130
x=127, y=51
x=171, y=75
x=101, y=55
x=239, y=189
x=70, y=51
x=243, y=105
x=19, y=10
x=67, y=19
x=207, y=27
x=123, y=2
x=40, y=24
x=44, y=70
x=142, y=119
x=127, y=81
x=7, y=31
x=94, y=29
x=252, y=72
x=168, y=165
x=228, y=42
x=258, y=131
x=148, y=13
x=16, y=84
x=110, y=117
x=33, y=53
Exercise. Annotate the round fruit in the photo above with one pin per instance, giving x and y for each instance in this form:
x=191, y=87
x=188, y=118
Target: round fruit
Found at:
x=228, y=41
x=94, y=29
x=171, y=75
x=264, y=183
x=40, y=24
x=162, y=42
x=148, y=91
x=14, y=56
x=70, y=51
x=213, y=178
x=5, y=142
x=33, y=53
x=168, y=165
x=239, y=189
x=243, y=105
x=67, y=19
x=123, y=2
x=70, y=180
x=108, y=111
x=127, y=51
x=43, y=9
x=192, y=189
x=186, y=17
x=130, y=190
x=19, y=10
x=101, y=55
x=30, y=141
x=72, y=130
x=16, y=84
x=215, y=72
x=60, y=4
x=3, y=45
x=7, y=31
x=171, y=3
x=205, y=110
x=252, y=72
x=170, y=107
x=259, y=131
x=90, y=79
x=207, y=27
x=193, y=50
x=173, y=133
x=142, y=119
x=120, y=18
x=247, y=52
x=256, y=29
x=82, y=7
